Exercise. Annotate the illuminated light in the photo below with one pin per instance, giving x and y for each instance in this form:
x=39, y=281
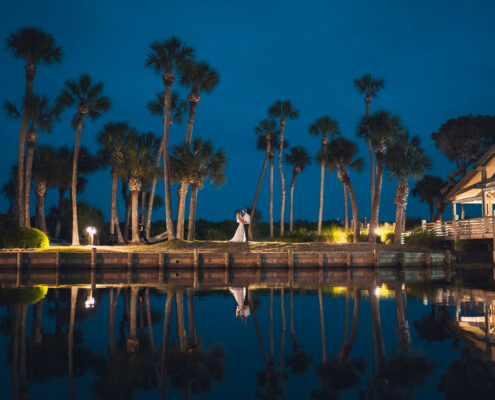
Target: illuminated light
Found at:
x=377, y=291
x=425, y=300
x=377, y=231
x=91, y=230
x=90, y=302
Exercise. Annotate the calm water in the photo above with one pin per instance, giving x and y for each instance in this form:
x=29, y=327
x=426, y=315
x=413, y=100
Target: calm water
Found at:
x=342, y=334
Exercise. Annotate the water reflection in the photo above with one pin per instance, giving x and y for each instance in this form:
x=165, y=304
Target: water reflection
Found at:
x=167, y=340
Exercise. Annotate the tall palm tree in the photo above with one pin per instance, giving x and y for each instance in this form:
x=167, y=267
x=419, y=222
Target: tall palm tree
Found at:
x=178, y=108
x=168, y=57
x=89, y=100
x=265, y=137
x=404, y=160
x=428, y=190
x=139, y=153
x=384, y=130
x=198, y=163
x=111, y=141
x=43, y=165
x=341, y=155
x=283, y=110
x=370, y=87
x=35, y=47
x=299, y=159
x=200, y=77
x=324, y=126
x=41, y=116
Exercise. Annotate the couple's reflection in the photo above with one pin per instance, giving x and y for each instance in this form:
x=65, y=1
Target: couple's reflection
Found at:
x=241, y=297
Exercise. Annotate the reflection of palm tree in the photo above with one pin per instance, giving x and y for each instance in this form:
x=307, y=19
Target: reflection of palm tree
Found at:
x=402, y=324
x=166, y=335
x=433, y=327
x=181, y=331
x=112, y=306
x=70, y=341
x=377, y=328
x=132, y=341
x=347, y=347
x=322, y=326
x=193, y=341
x=298, y=361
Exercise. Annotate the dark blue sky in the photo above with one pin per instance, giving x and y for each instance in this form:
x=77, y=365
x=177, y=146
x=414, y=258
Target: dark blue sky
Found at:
x=437, y=59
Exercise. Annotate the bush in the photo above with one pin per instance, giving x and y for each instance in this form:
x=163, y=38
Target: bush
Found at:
x=22, y=295
x=423, y=239
x=25, y=238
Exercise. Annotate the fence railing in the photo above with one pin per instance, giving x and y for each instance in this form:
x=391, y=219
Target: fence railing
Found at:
x=472, y=228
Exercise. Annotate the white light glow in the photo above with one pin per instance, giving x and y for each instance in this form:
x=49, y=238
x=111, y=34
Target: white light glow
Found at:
x=90, y=302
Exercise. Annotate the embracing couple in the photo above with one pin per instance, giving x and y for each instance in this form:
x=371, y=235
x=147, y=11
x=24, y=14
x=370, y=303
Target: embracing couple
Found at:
x=243, y=219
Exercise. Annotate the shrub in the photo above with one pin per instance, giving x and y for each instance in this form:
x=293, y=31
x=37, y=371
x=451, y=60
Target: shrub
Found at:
x=29, y=295
x=26, y=238
x=423, y=239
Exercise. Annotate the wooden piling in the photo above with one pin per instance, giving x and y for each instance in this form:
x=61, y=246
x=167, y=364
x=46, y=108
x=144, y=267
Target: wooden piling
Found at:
x=290, y=258
x=196, y=258
x=93, y=258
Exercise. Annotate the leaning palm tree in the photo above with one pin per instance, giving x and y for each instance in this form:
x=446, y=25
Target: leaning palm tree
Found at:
x=341, y=155
x=198, y=163
x=111, y=140
x=370, y=87
x=43, y=165
x=168, y=57
x=200, y=77
x=324, y=126
x=178, y=108
x=35, y=47
x=265, y=135
x=404, y=160
x=283, y=110
x=384, y=130
x=89, y=100
x=139, y=152
x=299, y=159
x=41, y=116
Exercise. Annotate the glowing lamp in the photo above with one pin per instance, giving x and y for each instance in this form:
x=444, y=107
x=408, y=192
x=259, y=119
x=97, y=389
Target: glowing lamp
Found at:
x=90, y=302
x=91, y=231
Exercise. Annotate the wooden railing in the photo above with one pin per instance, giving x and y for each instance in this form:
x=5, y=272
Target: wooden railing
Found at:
x=472, y=228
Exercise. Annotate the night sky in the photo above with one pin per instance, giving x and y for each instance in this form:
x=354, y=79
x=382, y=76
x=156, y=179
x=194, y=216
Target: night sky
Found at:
x=437, y=59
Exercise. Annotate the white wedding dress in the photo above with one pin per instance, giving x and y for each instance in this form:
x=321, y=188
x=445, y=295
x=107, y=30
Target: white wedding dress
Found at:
x=240, y=233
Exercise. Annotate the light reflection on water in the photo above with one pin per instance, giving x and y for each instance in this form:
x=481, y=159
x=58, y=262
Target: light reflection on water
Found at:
x=269, y=334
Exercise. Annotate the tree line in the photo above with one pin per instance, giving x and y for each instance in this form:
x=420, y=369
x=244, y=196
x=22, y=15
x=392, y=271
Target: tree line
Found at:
x=138, y=159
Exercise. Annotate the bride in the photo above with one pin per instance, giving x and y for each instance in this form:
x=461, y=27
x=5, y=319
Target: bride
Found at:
x=240, y=233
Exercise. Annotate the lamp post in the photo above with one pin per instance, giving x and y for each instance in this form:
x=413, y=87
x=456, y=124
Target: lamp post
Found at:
x=91, y=231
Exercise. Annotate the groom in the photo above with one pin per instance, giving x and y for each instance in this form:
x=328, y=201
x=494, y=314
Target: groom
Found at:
x=247, y=220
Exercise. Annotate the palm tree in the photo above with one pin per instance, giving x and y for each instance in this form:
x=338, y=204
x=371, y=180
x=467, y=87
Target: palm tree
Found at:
x=341, y=155
x=200, y=77
x=265, y=135
x=111, y=140
x=370, y=87
x=167, y=57
x=404, y=160
x=178, y=108
x=139, y=152
x=283, y=110
x=299, y=159
x=428, y=190
x=40, y=115
x=198, y=164
x=384, y=130
x=43, y=165
x=132, y=344
x=323, y=126
x=35, y=47
x=89, y=101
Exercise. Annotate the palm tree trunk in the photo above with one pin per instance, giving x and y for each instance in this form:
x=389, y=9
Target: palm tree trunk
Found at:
x=40, y=206
x=258, y=331
x=282, y=180
x=16, y=333
x=31, y=143
x=167, y=106
x=166, y=334
x=143, y=206
x=322, y=326
x=292, y=185
x=260, y=181
x=70, y=341
x=135, y=205
x=400, y=196
x=271, y=196
x=355, y=213
x=132, y=341
x=75, y=228
x=181, y=209
x=60, y=212
x=192, y=212
x=153, y=188
x=179, y=303
x=23, y=390
x=402, y=324
x=149, y=322
x=346, y=211
x=127, y=217
x=112, y=302
x=372, y=172
x=376, y=200
x=114, y=216
x=347, y=348
x=191, y=318
x=272, y=349
x=322, y=188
